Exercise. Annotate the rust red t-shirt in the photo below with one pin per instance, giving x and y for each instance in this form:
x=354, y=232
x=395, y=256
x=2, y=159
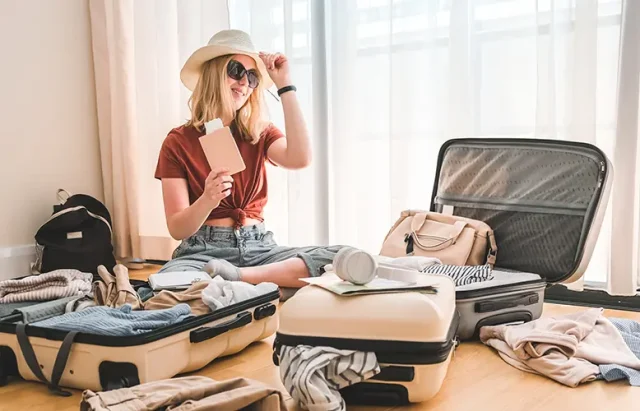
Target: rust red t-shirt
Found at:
x=181, y=156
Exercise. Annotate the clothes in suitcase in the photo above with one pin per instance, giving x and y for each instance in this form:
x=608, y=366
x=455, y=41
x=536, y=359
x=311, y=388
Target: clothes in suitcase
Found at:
x=375, y=348
x=117, y=353
x=545, y=201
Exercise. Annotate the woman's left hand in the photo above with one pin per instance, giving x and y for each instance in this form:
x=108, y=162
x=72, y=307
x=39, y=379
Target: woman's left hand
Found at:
x=278, y=68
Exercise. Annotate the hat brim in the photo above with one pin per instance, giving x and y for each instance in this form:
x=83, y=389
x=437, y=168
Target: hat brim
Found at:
x=192, y=68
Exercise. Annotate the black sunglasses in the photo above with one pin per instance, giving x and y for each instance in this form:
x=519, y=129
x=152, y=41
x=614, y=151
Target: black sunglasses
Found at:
x=236, y=71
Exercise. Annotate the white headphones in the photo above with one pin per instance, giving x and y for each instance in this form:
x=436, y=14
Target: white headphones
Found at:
x=360, y=267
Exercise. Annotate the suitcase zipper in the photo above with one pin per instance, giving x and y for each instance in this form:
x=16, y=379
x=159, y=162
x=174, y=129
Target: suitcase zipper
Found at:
x=601, y=174
x=538, y=144
x=585, y=149
x=388, y=352
x=491, y=204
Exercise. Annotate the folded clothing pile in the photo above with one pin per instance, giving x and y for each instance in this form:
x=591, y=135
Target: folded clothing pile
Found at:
x=46, y=287
x=122, y=321
x=314, y=375
x=192, y=296
x=571, y=349
x=187, y=393
x=69, y=300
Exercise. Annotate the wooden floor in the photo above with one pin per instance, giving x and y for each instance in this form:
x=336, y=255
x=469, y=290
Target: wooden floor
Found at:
x=477, y=379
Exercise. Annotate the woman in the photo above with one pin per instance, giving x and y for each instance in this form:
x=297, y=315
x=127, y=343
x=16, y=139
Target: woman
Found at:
x=217, y=216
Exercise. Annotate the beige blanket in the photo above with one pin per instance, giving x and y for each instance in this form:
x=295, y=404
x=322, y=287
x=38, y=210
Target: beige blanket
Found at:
x=46, y=287
x=567, y=348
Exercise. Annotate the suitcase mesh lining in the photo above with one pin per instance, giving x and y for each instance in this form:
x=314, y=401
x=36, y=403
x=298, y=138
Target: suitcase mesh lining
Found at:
x=532, y=175
x=539, y=243
x=557, y=188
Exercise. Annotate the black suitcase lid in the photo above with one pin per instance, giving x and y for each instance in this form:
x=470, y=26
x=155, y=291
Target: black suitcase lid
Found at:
x=544, y=199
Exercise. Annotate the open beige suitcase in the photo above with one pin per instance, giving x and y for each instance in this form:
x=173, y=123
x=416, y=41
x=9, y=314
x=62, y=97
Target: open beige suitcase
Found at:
x=545, y=201
x=97, y=362
x=412, y=334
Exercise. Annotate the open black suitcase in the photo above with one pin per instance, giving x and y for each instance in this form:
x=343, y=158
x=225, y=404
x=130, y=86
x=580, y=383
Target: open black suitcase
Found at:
x=545, y=201
x=81, y=360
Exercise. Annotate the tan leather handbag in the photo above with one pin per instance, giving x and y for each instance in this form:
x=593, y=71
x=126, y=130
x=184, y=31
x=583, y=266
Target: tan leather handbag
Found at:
x=453, y=240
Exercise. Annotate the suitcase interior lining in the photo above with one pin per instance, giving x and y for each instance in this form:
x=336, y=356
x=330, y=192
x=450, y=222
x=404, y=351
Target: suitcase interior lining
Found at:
x=521, y=188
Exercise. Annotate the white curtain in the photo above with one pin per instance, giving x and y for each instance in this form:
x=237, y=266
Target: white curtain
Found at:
x=296, y=211
x=397, y=78
x=139, y=47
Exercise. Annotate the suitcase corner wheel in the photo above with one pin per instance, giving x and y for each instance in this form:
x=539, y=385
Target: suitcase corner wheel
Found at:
x=366, y=393
x=116, y=375
x=8, y=365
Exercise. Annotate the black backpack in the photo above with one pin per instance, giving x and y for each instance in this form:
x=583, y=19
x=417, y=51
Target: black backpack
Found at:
x=77, y=236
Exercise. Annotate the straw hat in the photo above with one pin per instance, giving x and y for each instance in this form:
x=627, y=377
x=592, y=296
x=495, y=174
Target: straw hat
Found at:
x=222, y=43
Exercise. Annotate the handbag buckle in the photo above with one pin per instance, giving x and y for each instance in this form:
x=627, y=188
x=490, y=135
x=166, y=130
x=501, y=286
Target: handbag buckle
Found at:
x=408, y=238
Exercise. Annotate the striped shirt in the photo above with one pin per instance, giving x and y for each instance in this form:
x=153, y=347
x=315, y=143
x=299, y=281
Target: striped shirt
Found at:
x=462, y=274
x=313, y=376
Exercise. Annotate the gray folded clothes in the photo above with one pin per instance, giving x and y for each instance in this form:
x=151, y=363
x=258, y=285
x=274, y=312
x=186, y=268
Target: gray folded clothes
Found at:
x=46, y=287
x=43, y=311
x=9, y=308
x=121, y=321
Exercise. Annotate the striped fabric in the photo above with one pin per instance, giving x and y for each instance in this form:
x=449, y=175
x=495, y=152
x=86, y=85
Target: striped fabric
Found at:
x=462, y=275
x=630, y=331
x=46, y=287
x=313, y=376
x=122, y=321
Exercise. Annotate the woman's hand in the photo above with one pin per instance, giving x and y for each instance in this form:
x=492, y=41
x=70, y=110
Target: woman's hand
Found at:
x=278, y=68
x=217, y=186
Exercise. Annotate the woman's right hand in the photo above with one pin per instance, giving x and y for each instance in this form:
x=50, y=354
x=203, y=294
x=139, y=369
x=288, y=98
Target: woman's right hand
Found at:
x=217, y=186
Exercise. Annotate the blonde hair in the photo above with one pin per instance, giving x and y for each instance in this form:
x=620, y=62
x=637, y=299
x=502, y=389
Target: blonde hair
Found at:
x=211, y=99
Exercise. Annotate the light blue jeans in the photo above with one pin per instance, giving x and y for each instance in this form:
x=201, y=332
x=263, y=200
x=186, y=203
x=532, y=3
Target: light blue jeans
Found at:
x=248, y=246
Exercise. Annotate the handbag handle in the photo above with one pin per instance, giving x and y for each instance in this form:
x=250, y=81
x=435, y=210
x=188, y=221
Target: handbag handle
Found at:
x=418, y=222
x=61, y=199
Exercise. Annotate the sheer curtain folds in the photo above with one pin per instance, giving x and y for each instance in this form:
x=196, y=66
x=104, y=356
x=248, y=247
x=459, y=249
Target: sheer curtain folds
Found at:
x=404, y=76
x=383, y=84
x=139, y=47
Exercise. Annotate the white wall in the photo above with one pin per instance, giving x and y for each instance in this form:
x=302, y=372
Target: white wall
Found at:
x=48, y=124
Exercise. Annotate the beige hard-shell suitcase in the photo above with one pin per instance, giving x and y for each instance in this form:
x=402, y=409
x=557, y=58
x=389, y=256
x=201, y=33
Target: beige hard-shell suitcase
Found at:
x=412, y=333
x=545, y=201
x=98, y=362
